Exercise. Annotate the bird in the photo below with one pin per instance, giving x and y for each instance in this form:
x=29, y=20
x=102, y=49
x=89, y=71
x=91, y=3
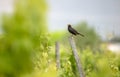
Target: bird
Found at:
x=73, y=31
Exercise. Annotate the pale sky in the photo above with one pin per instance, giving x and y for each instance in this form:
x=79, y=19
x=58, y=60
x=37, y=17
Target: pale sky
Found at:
x=104, y=15
x=6, y=6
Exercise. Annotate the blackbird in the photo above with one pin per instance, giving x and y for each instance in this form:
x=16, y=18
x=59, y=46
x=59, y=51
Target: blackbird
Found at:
x=73, y=31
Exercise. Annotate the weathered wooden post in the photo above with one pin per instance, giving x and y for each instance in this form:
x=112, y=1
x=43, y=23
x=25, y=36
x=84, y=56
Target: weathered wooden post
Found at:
x=77, y=59
x=57, y=46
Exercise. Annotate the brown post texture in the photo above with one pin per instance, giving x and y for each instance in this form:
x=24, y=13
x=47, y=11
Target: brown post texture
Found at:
x=77, y=59
x=57, y=55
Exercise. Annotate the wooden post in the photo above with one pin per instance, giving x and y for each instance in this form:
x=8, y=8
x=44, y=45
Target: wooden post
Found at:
x=57, y=55
x=77, y=59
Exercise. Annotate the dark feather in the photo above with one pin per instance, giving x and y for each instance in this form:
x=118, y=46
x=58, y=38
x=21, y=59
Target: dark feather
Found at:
x=73, y=31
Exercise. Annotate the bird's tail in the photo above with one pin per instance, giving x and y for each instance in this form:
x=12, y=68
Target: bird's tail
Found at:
x=81, y=34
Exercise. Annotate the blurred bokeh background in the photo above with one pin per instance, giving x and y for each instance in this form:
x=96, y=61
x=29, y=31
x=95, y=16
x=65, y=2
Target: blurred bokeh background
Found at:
x=30, y=28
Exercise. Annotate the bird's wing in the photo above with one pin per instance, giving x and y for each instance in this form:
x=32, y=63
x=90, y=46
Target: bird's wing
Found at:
x=73, y=30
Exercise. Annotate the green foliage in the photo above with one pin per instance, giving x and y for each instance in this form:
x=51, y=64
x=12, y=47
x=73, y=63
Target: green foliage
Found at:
x=91, y=38
x=105, y=64
x=57, y=36
x=27, y=50
x=24, y=35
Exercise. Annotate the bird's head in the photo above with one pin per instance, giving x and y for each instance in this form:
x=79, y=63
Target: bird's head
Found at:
x=69, y=25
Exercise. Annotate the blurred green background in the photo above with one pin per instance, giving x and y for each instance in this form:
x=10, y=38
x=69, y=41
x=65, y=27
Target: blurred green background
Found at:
x=27, y=47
